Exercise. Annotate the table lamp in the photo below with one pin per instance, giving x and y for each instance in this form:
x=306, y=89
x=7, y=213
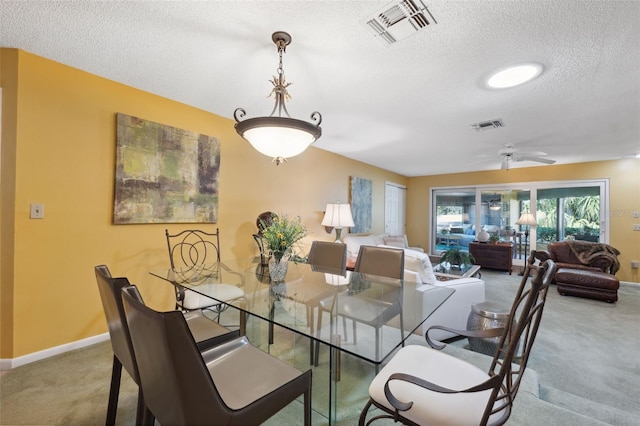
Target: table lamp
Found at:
x=337, y=216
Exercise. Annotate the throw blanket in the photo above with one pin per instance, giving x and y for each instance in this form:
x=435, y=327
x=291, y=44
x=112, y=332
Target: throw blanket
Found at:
x=588, y=252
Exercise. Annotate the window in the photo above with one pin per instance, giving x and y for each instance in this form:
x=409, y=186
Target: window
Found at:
x=563, y=210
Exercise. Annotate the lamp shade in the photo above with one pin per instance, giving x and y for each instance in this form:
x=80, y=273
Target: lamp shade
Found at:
x=338, y=216
x=527, y=219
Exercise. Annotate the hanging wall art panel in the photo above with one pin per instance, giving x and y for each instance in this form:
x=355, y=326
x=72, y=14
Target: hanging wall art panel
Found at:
x=361, y=204
x=164, y=174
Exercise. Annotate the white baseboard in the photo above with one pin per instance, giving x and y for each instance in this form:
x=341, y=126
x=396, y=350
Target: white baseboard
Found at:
x=8, y=364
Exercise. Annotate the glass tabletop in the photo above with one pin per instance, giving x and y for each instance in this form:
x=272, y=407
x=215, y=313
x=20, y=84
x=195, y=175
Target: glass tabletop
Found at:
x=454, y=272
x=310, y=302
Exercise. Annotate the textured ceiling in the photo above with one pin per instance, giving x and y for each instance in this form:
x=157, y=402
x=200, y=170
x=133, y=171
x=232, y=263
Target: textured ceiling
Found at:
x=407, y=107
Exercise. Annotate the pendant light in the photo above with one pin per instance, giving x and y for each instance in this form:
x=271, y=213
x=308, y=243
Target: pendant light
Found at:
x=278, y=136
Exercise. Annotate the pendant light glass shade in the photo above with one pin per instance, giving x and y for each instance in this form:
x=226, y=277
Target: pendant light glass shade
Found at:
x=278, y=136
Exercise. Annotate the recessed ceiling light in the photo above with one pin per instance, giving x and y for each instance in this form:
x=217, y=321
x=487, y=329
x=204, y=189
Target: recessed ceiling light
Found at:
x=515, y=75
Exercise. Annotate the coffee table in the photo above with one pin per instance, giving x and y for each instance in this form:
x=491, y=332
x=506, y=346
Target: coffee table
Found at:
x=444, y=274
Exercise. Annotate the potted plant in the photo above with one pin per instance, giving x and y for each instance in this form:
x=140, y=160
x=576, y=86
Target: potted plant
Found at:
x=280, y=236
x=455, y=257
x=494, y=239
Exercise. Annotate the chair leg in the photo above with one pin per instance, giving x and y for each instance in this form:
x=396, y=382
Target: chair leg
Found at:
x=355, y=337
x=307, y=408
x=344, y=328
x=114, y=391
x=144, y=416
x=311, y=342
x=317, y=348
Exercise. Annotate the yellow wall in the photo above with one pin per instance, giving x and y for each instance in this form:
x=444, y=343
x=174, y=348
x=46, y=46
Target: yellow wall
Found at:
x=58, y=148
x=624, y=183
x=63, y=129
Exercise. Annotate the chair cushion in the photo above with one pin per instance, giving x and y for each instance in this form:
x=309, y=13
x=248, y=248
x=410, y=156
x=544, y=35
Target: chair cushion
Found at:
x=230, y=362
x=433, y=408
x=224, y=292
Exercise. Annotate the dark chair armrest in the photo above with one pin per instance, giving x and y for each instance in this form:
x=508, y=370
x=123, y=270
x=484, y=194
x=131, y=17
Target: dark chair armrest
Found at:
x=491, y=332
x=541, y=255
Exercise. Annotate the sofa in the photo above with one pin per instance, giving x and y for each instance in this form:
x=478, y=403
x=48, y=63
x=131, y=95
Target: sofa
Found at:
x=418, y=268
x=585, y=269
x=354, y=241
x=464, y=235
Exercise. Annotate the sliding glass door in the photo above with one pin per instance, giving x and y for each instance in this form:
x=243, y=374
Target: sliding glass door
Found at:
x=454, y=219
x=530, y=215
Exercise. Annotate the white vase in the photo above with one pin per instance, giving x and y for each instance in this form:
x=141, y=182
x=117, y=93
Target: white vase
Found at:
x=483, y=236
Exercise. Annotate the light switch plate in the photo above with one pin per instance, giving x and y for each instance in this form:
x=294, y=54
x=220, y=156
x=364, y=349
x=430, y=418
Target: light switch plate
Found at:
x=37, y=211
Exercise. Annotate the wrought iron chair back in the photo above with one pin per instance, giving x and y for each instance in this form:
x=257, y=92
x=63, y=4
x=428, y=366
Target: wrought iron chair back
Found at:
x=193, y=249
x=509, y=361
x=194, y=256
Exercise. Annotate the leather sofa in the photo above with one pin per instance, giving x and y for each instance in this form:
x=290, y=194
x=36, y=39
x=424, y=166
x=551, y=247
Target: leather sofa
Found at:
x=585, y=269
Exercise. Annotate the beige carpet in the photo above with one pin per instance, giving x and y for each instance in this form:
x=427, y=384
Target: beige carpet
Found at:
x=585, y=358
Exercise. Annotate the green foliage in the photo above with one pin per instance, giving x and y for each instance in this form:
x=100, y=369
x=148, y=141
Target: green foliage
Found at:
x=455, y=256
x=282, y=234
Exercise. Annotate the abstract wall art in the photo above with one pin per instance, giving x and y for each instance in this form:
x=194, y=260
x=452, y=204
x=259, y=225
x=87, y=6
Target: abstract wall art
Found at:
x=361, y=204
x=164, y=174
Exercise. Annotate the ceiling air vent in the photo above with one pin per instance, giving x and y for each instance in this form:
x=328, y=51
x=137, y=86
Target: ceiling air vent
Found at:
x=398, y=20
x=487, y=125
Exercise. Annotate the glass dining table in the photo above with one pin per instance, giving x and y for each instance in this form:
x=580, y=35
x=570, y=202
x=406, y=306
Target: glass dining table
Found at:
x=316, y=304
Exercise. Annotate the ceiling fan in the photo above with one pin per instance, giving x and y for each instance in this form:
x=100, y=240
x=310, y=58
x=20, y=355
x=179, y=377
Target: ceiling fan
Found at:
x=510, y=154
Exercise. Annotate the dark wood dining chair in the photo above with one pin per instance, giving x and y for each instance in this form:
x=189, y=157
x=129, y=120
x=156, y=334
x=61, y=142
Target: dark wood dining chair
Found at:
x=422, y=385
x=206, y=333
x=231, y=384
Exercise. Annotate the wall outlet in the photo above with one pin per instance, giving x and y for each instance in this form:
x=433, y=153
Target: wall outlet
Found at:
x=636, y=226
x=634, y=264
x=37, y=211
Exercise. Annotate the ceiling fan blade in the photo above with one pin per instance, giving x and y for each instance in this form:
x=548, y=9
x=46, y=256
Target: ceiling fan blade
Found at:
x=531, y=154
x=537, y=159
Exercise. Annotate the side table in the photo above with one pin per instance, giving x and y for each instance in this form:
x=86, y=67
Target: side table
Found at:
x=493, y=255
x=483, y=316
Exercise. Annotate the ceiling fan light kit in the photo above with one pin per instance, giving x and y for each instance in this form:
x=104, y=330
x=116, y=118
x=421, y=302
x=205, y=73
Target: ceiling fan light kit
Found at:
x=278, y=136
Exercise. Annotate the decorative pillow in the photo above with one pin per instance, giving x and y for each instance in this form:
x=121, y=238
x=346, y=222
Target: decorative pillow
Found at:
x=470, y=232
x=395, y=241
